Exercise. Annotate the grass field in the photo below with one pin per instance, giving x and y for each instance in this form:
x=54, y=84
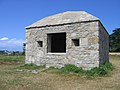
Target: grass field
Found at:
x=12, y=58
x=47, y=80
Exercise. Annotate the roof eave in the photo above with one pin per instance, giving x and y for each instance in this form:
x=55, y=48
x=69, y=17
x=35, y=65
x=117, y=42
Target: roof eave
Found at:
x=29, y=27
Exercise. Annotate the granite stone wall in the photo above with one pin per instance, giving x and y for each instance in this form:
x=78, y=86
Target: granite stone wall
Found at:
x=103, y=44
x=93, y=42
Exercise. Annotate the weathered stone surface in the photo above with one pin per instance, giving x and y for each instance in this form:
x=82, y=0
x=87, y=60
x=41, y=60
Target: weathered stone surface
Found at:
x=64, y=18
x=93, y=47
x=93, y=40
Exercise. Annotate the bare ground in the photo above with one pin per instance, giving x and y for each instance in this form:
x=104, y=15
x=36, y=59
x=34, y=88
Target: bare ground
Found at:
x=11, y=80
x=114, y=53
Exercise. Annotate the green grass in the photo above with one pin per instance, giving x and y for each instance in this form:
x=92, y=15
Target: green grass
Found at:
x=71, y=68
x=47, y=80
x=12, y=58
x=98, y=71
x=30, y=67
x=103, y=70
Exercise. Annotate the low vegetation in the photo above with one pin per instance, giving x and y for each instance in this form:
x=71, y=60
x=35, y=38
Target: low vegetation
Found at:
x=12, y=58
x=103, y=70
x=30, y=67
x=48, y=80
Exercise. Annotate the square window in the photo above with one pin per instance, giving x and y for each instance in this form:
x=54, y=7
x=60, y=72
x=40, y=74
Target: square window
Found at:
x=56, y=42
x=40, y=43
x=75, y=42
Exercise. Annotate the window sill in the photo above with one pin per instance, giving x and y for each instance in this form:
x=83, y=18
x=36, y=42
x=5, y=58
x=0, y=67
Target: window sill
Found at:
x=56, y=53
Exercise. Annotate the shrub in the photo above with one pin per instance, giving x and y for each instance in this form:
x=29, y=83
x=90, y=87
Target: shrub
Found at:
x=71, y=68
x=102, y=70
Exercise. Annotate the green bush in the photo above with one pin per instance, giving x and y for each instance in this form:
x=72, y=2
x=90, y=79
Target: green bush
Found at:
x=71, y=68
x=102, y=70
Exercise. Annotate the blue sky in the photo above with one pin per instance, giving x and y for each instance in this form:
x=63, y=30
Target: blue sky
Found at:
x=15, y=15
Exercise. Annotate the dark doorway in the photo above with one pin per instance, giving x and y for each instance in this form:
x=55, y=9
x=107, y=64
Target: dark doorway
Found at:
x=56, y=42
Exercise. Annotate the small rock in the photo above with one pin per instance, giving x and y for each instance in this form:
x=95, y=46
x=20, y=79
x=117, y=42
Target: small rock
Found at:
x=27, y=70
x=34, y=71
x=18, y=70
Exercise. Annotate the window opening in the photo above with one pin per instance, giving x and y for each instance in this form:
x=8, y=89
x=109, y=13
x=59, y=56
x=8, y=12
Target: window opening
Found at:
x=56, y=43
x=75, y=42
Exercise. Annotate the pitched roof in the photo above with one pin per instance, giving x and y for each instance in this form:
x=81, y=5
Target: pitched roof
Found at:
x=64, y=18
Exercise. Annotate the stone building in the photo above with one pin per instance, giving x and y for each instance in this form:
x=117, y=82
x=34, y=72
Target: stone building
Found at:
x=75, y=38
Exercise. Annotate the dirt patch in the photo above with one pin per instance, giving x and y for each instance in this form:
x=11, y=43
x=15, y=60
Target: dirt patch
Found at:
x=115, y=53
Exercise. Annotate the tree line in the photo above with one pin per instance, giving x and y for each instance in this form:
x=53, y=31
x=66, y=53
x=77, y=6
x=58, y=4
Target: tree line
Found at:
x=114, y=41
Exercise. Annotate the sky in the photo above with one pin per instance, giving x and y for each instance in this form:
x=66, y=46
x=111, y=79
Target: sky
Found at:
x=15, y=15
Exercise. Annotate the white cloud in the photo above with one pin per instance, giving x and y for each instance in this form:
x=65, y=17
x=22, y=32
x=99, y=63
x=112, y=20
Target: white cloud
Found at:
x=11, y=44
x=4, y=38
